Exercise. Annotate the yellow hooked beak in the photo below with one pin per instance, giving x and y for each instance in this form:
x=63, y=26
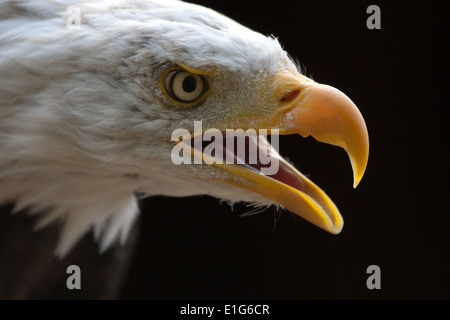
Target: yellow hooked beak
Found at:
x=299, y=105
x=330, y=116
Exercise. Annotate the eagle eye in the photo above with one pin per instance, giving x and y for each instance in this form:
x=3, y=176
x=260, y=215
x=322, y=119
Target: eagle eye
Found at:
x=184, y=87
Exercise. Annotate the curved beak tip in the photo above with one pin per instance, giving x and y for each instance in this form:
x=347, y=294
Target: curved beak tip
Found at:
x=331, y=117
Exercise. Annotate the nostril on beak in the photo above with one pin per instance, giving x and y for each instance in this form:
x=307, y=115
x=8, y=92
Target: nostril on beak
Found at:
x=288, y=97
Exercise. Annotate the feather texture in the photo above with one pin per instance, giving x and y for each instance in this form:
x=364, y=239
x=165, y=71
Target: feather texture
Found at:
x=83, y=125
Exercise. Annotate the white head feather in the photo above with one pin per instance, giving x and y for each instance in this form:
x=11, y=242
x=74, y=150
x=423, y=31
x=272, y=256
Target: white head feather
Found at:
x=83, y=123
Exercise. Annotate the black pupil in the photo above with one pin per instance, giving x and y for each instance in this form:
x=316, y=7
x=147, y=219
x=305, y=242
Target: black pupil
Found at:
x=189, y=84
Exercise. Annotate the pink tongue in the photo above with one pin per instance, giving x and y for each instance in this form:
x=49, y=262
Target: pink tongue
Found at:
x=288, y=177
x=284, y=173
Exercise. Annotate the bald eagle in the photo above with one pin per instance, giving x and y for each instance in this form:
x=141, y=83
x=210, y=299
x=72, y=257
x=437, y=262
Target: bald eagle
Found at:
x=88, y=111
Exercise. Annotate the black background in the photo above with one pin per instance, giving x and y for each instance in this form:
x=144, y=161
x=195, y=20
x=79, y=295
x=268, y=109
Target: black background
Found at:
x=398, y=218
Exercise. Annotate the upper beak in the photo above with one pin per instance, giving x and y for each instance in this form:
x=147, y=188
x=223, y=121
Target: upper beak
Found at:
x=330, y=116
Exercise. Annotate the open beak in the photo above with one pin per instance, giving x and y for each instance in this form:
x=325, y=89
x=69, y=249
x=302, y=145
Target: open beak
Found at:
x=309, y=109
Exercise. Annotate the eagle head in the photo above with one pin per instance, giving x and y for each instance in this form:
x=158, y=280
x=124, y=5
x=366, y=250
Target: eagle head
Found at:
x=89, y=115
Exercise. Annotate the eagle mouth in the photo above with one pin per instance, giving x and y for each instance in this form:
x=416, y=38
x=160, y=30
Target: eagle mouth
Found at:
x=305, y=108
x=277, y=180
